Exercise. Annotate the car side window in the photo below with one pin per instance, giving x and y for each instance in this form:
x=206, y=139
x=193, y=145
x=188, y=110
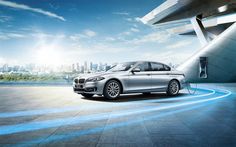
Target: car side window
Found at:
x=159, y=67
x=144, y=66
x=167, y=68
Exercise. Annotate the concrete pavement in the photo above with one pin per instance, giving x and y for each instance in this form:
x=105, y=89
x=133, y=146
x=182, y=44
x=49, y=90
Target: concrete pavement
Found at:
x=55, y=116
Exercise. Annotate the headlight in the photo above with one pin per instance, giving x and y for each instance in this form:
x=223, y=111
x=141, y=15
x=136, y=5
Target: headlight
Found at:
x=94, y=79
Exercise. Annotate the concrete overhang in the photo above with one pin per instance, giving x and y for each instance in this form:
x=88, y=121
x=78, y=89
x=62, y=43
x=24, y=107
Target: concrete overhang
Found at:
x=174, y=10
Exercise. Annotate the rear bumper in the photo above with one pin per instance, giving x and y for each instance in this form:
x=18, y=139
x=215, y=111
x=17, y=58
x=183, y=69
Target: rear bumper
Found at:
x=183, y=84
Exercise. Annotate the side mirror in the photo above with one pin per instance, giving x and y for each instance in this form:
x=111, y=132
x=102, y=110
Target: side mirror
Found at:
x=136, y=69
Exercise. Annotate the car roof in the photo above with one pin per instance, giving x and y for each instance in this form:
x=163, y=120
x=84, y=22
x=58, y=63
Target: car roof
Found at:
x=150, y=61
x=140, y=61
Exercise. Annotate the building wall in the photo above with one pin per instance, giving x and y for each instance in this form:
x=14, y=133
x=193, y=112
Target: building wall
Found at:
x=221, y=54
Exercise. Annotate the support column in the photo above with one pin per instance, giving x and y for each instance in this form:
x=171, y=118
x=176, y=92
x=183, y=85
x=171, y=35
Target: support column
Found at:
x=200, y=30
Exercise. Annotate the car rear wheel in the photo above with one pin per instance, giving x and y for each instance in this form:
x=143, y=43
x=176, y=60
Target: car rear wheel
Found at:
x=146, y=93
x=87, y=95
x=173, y=88
x=112, y=89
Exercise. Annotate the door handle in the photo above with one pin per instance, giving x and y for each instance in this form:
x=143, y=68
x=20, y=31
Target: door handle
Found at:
x=148, y=74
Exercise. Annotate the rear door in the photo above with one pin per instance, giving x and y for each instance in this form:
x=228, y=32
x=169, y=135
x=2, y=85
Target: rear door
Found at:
x=160, y=76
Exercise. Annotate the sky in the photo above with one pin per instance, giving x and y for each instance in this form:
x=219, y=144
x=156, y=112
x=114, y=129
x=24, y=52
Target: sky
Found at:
x=55, y=32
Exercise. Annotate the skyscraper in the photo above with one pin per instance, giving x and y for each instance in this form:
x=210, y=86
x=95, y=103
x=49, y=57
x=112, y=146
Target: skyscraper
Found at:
x=77, y=67
x=85, y=66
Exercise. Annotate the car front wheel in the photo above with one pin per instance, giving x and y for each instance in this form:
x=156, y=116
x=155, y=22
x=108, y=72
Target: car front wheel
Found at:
x=173, y=88
x=112, y=89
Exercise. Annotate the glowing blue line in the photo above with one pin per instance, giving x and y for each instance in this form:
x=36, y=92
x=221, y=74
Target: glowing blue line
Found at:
x=68, y=109
x=112, y=126
x=69, y=121
x=183, y=98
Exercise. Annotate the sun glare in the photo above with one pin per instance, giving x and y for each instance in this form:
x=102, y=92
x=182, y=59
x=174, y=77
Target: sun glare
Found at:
x=48, y=54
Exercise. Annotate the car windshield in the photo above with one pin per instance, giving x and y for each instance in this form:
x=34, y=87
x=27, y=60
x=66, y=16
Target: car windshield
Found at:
x=122, y=66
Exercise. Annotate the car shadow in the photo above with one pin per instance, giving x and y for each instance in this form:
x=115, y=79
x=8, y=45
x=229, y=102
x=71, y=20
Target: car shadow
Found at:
x=135, y=97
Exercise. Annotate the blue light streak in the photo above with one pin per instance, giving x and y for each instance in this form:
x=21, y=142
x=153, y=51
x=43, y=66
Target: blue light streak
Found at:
x=121, y=124
x=77, y=120
x=77, y=108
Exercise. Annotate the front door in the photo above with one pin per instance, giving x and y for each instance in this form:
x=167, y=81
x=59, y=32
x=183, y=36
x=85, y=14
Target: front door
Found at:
x=140, y=81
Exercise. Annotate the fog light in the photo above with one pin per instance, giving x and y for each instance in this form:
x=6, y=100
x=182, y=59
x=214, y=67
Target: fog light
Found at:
x=91, y=89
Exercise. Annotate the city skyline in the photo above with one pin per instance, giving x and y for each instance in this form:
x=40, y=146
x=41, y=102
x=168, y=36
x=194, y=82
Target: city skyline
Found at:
x=84, y=67
x=78, y=67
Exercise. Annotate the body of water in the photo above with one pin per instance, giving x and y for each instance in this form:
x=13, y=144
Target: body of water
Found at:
x=36, y=83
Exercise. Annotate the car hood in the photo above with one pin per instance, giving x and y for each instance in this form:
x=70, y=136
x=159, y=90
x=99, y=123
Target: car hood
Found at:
x=90, y=75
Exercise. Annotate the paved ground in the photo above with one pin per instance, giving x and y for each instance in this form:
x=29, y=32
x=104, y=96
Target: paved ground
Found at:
x=55, y=116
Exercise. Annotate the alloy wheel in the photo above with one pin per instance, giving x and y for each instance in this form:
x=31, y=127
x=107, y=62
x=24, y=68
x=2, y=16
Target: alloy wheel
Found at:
x=112, y=89
x=173, y=88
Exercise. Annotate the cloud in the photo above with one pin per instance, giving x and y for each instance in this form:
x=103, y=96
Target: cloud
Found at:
x=179, y=44
x=90, y=33
x=121, y=13
x=25, y=7
x=99, y=48
x=159, y=37
x=129, y=19
x=76, y=37
x=125, y=33
x=135, y=25
x=3, y=37
x=7, y=36
x=138, y=19
x=5, y=18
x=110, y=39
x=135, y=30
x=46, y=36
x=129, y=32
x=86, y=34
x=41, y=35
x=15, y=35
x=35, y=35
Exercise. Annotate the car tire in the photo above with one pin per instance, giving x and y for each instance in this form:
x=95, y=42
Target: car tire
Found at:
x=112, y=89
x=146, y=93
x=87, y=95
x=173, y=88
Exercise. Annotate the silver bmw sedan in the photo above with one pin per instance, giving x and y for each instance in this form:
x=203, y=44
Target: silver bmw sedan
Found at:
x=130, y=77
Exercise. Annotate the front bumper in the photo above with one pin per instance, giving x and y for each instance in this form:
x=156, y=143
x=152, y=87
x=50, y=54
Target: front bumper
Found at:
x=89, y=87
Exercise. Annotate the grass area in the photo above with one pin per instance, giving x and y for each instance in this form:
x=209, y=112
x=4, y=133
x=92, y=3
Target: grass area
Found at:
x=28, y=77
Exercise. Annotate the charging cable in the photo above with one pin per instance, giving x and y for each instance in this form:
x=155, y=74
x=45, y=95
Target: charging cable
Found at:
x=192, y=92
